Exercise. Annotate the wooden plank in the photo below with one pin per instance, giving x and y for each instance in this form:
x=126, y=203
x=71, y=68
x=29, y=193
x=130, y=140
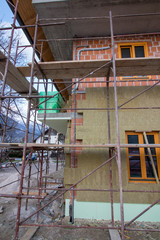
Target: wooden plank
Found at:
x=30, y=233
x=51, y=183
x=15, y=79
x=151, y=158
x=78, y=69
x=31, y=193
x=114, y=234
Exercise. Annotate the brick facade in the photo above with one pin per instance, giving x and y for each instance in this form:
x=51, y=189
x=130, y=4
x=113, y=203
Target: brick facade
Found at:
x=153, y=45
x=153, y=49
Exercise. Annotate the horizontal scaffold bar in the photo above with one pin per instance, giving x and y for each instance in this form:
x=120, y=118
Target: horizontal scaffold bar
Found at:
x=56, y=146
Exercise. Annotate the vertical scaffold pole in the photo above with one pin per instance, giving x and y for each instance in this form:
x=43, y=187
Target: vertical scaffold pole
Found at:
x=9, y=52
x=73, y=155
x=110, y=151
x=26, y=133
x=117, y=128
x=40, y=183
x=7, y=63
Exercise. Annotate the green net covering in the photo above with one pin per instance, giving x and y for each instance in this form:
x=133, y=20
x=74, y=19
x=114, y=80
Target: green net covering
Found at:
x=52, y=103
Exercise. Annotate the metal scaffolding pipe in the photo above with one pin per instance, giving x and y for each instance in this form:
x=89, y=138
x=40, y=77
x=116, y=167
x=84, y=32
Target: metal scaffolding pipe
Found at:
x=117, y=128
x=142, y=213
x=41, y=147
x=70, y=188
x=96, y=190
x=26, y=134
x=99, y=37
x=101, y=17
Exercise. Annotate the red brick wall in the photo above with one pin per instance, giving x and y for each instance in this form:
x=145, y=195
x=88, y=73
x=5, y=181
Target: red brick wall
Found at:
x=153, y=44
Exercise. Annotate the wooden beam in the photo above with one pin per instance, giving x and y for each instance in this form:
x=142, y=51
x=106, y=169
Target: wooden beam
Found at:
x=78, y=69
x=28, y=16
x=15, y=79
x=151, y=158
x=114, y=234
x=31, y=193
x=30, y=233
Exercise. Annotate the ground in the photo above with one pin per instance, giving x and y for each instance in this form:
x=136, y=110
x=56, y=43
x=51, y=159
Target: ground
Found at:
x=9, y=211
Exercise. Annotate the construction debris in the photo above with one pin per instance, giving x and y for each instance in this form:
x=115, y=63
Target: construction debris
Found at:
x=1, y=209
x=57, y=175
x=54, y=210
x=29, y=234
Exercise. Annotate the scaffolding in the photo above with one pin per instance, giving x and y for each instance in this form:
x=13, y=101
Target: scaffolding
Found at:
x=109, y=68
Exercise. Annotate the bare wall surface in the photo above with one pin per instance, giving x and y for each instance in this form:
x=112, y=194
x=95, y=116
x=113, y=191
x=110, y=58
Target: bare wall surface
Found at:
x=94, y=131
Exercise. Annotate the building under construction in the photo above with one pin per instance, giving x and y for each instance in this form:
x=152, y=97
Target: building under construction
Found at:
x=103, y=57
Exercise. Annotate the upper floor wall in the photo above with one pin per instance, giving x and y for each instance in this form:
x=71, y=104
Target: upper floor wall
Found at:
x=74, y=15
x=125, y=47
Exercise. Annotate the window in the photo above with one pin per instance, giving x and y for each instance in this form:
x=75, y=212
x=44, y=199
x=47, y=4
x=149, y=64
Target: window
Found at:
x=133, y=50
x=139, y=163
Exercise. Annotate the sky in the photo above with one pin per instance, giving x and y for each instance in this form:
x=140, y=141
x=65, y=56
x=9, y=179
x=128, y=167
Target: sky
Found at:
x=6, y=19
x=6, y=13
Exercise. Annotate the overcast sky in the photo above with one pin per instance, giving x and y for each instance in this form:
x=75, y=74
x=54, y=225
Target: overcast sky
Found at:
x=6, y=13
x=7, y=19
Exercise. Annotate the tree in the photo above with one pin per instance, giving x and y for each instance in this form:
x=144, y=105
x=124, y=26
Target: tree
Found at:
x=4, y=44
x=9, y=104
x=8, y=117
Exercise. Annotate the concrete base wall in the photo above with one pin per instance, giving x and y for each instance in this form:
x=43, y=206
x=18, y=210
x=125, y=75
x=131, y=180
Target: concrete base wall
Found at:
x=99, y=210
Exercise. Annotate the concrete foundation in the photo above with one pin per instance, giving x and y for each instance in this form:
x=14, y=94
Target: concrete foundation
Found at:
x=99, y=210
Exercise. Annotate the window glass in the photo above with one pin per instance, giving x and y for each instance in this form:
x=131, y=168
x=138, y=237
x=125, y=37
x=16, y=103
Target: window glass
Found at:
x=133, y=139
x=135, y=166
x=139, y=51
x=149, y=167
x=125, y=52
x=150, y=141
x=133, y=151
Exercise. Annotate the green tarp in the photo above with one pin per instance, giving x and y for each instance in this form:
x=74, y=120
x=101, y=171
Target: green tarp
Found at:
x=56, y=102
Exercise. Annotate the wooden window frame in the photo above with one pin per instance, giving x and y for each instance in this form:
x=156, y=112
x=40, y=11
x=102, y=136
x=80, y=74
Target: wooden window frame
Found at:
x=132, y=46
x=144, y=178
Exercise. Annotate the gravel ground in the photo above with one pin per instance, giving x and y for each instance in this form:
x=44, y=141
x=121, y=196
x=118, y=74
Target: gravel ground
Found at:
x=8, y=213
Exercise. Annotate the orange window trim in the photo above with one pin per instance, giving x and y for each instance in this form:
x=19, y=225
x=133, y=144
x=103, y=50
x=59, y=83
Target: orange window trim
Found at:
x=131, y=45
x=142, y=155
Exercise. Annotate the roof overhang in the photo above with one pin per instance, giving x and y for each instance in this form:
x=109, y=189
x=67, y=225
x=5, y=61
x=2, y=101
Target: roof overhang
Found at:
x=27, y=16
x=48, y=9
x=62, y=50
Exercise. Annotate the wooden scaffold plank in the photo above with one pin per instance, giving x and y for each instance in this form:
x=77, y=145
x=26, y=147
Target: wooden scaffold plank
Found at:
x=78, y=69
